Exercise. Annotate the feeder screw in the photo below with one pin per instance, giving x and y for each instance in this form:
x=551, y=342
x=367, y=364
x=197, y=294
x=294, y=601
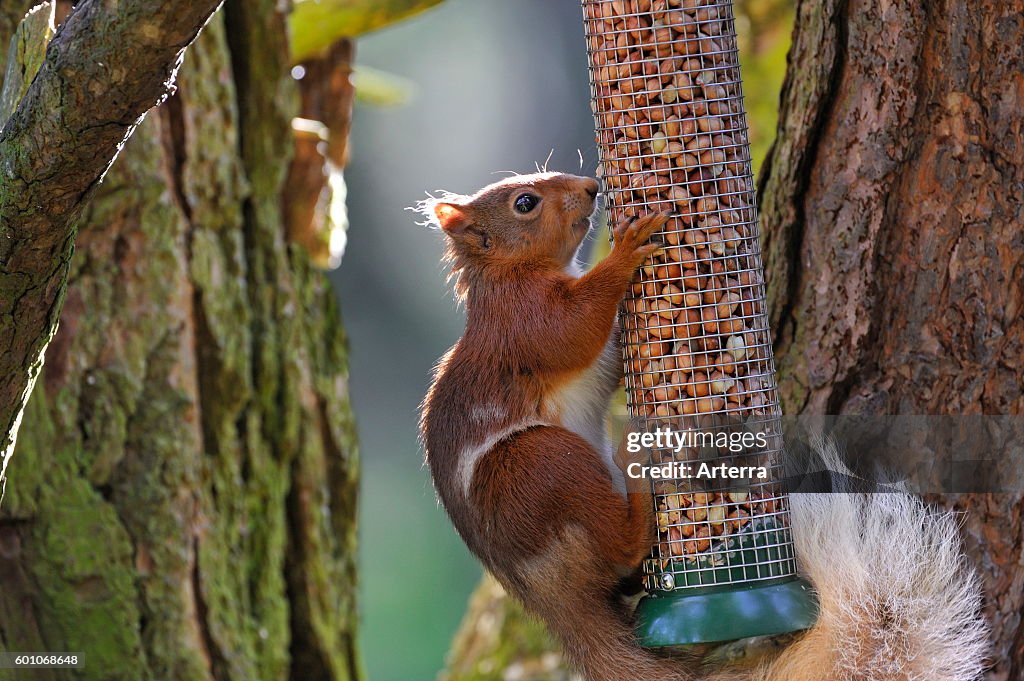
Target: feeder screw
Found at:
x=668, y=582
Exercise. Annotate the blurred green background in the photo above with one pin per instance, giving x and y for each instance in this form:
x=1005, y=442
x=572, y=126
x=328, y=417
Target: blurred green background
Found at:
x=494, y=86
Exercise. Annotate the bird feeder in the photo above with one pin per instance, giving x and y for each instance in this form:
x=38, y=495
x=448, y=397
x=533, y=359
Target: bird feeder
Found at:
x=672, y=137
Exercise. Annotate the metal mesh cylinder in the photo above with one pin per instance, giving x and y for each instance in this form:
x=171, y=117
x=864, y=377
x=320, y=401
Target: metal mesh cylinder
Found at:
x=672, y=137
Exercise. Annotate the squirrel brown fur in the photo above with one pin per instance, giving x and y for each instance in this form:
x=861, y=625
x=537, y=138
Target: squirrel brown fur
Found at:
x=514, y=433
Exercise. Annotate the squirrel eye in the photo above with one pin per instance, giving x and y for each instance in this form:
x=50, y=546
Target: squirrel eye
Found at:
x=526, y=202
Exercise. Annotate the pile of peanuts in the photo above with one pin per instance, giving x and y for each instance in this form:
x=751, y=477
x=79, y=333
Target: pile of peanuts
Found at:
x=672, y=137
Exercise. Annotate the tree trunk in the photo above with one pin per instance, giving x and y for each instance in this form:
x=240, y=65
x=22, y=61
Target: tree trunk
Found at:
x=891, y=206
x=181, y=501
x=72, y=112
x=892, y=209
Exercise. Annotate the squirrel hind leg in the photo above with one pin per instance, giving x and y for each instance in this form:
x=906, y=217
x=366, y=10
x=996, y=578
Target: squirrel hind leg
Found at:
x=574, y=591
x=630, y=590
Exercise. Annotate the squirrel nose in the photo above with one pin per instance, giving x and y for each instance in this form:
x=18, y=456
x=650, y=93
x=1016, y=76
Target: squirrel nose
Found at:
x=592, y=188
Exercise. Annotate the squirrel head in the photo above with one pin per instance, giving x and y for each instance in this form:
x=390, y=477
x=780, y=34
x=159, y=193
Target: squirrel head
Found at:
x=538, y=219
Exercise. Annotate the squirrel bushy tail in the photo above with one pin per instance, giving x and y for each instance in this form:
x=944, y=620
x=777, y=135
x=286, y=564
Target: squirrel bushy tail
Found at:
x=898, y=601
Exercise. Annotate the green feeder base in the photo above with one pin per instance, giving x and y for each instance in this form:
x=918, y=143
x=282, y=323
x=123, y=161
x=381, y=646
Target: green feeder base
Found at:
x=725, y=613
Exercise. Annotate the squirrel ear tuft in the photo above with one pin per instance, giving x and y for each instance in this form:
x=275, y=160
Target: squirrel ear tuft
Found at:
x=452, y=218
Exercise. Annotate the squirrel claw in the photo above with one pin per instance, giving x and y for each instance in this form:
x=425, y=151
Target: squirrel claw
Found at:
x=633, y=236
x=636, y=230
x=649, y=250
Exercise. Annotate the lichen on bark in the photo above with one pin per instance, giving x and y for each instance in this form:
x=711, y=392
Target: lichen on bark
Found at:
x=181, y=503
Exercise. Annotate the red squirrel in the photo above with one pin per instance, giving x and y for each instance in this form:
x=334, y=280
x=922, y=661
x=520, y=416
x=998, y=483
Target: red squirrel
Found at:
x=514, y=433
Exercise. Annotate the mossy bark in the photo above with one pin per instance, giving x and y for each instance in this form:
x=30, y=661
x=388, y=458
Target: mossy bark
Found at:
x=108, y=65
x=891, y=206
x=181, y=500
x=26, y=54
x=11, y=14
x=498, y=640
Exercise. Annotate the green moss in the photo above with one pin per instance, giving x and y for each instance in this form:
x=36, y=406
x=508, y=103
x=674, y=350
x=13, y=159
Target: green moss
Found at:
x=496, y=636
x=81, y=558
x=25, y=56
x=28, y=472
x=196, y=397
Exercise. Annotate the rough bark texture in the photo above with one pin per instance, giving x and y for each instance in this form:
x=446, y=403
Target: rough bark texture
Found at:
x=108, y=64
x=181, y=503
x=891, y=208
x=893, y=205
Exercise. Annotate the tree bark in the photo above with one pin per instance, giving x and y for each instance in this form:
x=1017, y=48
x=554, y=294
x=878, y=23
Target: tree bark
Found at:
x=107, y=66
x=891, y=208
x=11, y=14
x=182, y=501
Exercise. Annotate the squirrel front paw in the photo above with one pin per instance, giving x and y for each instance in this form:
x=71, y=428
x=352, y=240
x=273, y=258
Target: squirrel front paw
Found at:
x=631, y=236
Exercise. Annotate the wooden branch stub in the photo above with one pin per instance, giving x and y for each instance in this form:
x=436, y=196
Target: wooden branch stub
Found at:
x=314, y=209
x=25, y=56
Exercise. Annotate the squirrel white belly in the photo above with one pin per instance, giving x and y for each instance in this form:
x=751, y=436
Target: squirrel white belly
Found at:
x=514, y=437
x=581, y=406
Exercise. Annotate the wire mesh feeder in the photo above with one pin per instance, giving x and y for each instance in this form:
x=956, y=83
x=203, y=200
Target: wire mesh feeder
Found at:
x=672, y=136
